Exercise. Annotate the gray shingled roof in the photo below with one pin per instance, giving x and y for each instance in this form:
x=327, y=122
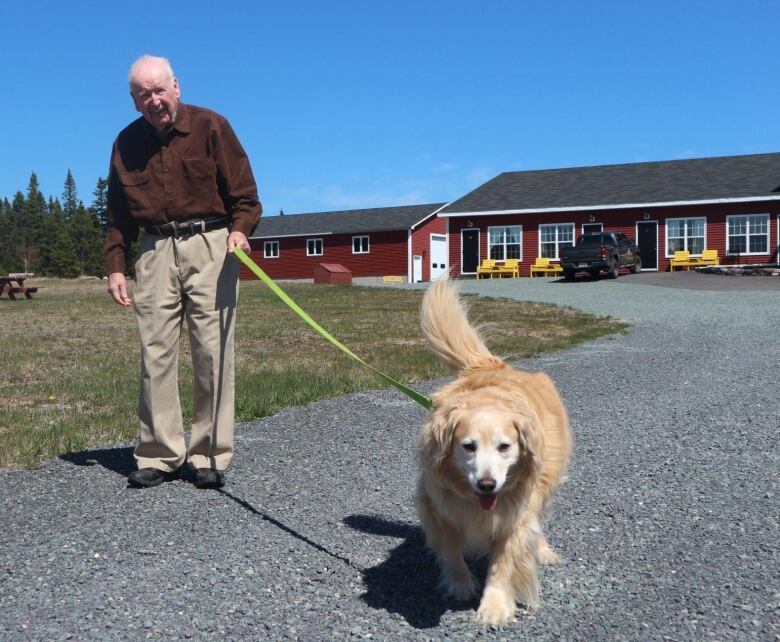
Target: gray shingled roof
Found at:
x=698, y=179
x=378, y=219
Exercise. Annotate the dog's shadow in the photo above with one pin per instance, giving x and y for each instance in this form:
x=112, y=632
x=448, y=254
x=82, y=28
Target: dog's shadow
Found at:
x=119, y=460
x=407, y=582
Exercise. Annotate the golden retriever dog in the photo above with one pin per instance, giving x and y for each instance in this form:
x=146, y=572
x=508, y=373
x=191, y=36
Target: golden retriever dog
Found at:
x=493, y=451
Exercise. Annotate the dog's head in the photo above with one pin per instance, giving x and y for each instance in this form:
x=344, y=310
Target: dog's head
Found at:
x=484, y=445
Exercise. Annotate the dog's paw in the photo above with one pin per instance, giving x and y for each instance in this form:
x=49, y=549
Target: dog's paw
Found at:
x=462, y=588
x=496, y=608
x=548, y=556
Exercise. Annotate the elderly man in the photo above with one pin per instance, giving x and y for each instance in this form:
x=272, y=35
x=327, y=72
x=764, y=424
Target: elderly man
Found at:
x=180, y=175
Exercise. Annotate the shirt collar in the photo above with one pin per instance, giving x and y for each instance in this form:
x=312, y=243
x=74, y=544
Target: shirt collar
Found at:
x=181, y=124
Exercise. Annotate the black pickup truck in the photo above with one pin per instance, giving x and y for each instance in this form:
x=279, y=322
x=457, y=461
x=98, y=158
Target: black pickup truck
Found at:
x=598, y=252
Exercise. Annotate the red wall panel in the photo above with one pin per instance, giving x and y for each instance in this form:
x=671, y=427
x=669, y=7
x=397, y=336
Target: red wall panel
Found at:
x=387, y=255
x=421, y=242
x=621, y=221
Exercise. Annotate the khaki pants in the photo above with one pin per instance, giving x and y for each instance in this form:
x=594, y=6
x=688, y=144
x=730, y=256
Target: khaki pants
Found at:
x=196, y=280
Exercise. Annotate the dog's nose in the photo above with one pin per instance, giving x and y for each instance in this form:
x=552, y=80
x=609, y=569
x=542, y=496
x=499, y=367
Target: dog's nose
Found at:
x=486, y=485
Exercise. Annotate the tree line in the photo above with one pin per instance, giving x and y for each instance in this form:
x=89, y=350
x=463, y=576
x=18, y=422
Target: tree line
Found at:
x=54, y=237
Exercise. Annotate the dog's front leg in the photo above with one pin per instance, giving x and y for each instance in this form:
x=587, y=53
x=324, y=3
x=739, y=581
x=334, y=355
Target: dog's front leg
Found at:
x=456, y=578
x=511, y=575
x=444, y=539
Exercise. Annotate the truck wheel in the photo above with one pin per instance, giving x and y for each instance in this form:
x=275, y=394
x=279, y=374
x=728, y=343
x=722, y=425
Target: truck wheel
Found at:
x=568, y=275
x=637, y=266
x=613, y=270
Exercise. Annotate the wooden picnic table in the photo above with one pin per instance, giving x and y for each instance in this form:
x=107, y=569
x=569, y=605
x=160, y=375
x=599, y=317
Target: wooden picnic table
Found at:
x=7, y=286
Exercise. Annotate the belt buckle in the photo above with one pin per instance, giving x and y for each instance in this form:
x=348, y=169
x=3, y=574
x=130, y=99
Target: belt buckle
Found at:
x=169, y=225
x=191, y=228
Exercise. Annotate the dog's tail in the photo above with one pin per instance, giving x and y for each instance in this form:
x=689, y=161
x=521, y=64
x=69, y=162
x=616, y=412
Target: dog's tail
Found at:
x=447, y=329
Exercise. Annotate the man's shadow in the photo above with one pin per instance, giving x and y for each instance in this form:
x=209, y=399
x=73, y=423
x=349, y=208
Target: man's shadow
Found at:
x=407, y=582
x=119, y=460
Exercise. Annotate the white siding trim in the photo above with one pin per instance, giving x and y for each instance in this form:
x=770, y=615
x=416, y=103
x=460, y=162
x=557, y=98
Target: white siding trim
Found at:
x=289, y=236
x=423, y=220
x=620, y=206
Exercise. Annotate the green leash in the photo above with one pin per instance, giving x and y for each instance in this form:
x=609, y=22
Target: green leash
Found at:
x=424, y=401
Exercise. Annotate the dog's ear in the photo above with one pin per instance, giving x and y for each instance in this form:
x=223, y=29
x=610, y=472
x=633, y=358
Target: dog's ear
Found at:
x=530, y=437
x=436, y=439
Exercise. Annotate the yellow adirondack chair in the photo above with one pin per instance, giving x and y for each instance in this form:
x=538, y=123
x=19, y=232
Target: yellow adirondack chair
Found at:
x=682, y=259
x=543, y=266
x=709, y=257
x=488, y=266
x=510, y=267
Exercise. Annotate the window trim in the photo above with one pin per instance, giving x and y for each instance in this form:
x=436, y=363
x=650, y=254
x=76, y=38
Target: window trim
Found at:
x=557, y=256
x=368, y=244
x=747, y=235
x=592, y=223
x=504, y=244
x=266, y=255
x=314, y=240
x=669, y=255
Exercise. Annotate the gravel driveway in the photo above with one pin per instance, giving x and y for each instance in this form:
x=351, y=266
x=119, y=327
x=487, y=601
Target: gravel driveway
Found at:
x=668, y=525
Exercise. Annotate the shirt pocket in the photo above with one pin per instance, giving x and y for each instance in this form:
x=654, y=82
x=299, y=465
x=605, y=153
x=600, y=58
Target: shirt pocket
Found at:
x=200, y=176
x=135, y=185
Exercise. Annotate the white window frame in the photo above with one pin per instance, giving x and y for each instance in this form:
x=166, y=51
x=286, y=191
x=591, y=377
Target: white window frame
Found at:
x=503, y=244
x=367, y=244
x=558, y=242
x=315, y=253
x=592, y=224
x=270, y=255
x=668, y=253
x=747, y=235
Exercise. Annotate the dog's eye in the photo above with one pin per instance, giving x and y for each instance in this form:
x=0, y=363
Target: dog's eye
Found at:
x=502, y=448
x=470, y=446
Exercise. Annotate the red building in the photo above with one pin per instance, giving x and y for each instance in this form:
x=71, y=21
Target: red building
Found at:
x=730, y=204
x=408, y=241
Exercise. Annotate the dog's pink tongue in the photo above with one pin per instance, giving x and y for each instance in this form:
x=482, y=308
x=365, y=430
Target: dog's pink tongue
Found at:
x=487, y=502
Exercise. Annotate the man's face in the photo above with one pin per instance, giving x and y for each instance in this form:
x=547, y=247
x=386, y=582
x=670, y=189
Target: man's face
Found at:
x=156, y=95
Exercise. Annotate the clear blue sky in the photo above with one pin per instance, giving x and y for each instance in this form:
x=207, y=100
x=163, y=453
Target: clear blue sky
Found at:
x=365, y=103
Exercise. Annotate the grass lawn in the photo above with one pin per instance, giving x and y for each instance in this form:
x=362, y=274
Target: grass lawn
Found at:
x=69, y=363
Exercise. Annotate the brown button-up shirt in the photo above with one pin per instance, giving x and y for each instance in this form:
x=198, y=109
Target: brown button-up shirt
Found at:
x=199, y=169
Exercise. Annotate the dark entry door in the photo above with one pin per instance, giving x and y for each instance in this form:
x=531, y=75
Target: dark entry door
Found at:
x=647, y=241
x=469, y=254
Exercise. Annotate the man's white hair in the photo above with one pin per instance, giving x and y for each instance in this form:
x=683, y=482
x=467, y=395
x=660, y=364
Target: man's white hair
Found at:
x=146, y=58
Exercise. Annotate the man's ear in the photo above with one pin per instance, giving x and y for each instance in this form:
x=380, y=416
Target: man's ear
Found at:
x=135, y=102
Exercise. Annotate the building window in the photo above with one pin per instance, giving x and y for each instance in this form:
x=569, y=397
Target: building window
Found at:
x=504, y=242
x=271, y=250
x=685, y=234
x=748, y=234
x=590, y=228
x=313, y=247
x=554, y=237
x=359, y=245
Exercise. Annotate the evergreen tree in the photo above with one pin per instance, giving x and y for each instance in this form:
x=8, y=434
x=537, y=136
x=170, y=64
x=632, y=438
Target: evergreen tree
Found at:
x=99, y=207
x=69, y=197
x=6, y=243
x=87, y=241
x=59, y=255
x=30, y=230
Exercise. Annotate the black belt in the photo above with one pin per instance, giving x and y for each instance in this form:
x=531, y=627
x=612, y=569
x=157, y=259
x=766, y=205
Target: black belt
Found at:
x=188, y=228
